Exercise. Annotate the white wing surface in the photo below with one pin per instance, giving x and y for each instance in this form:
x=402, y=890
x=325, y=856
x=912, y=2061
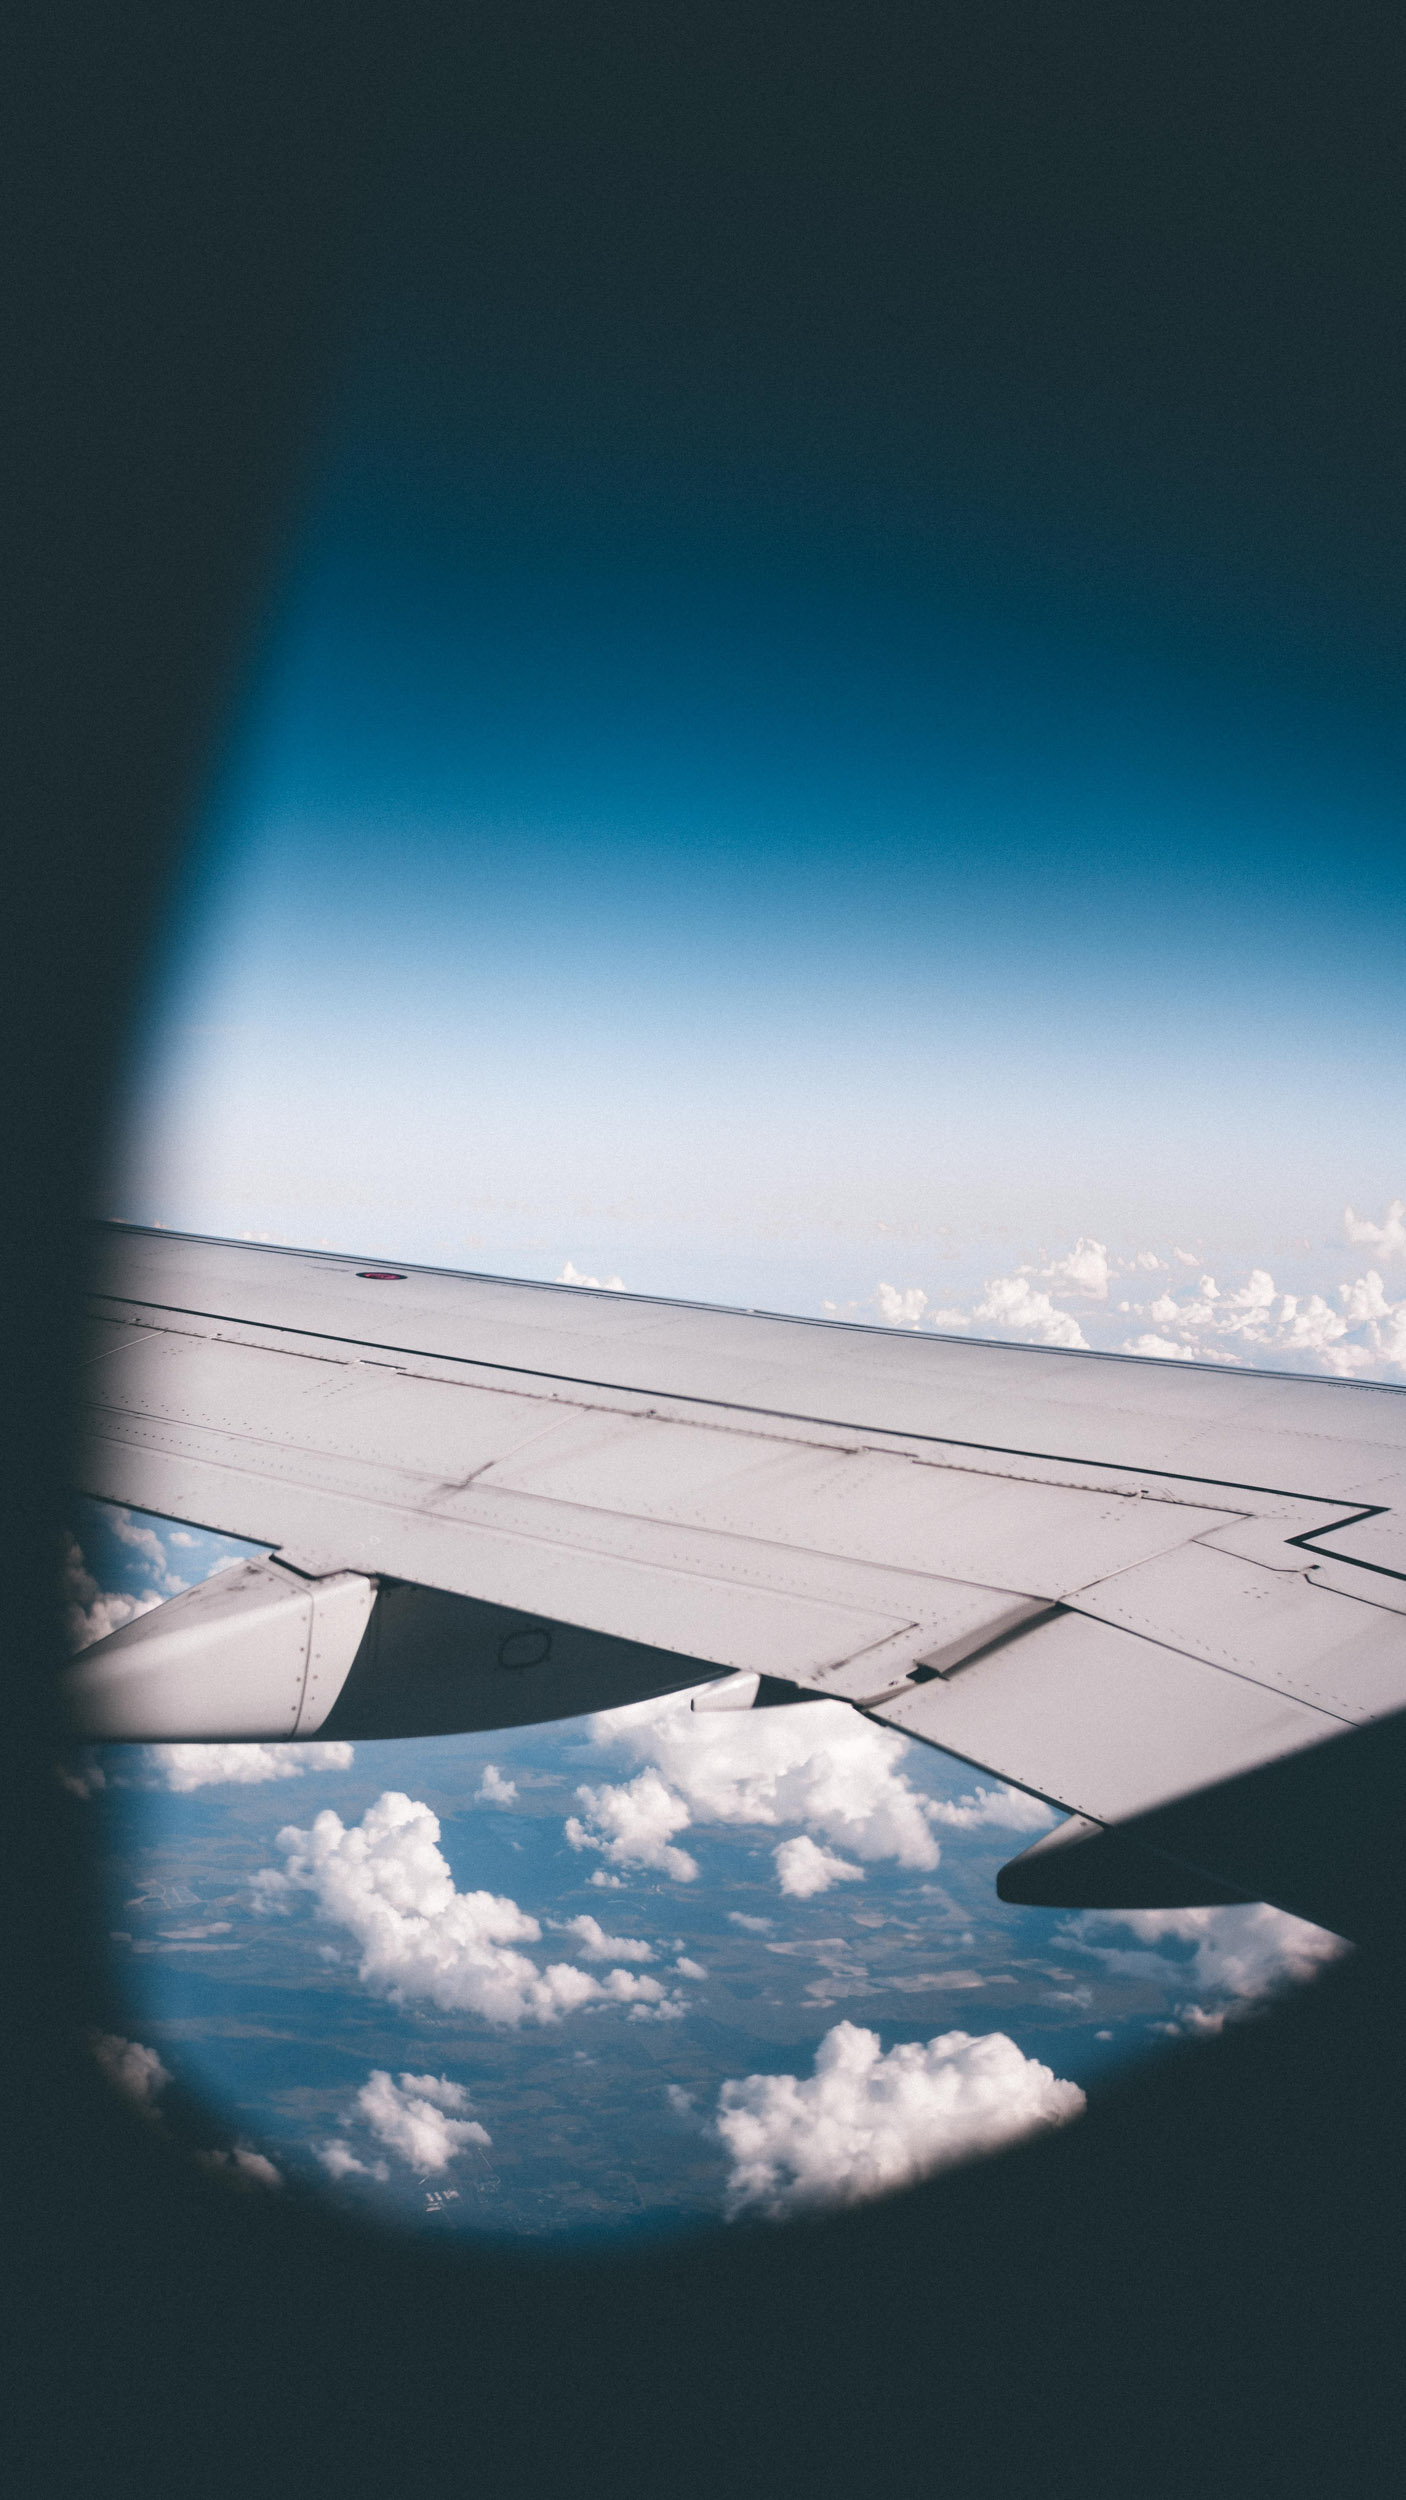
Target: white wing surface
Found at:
x=1127, y=1586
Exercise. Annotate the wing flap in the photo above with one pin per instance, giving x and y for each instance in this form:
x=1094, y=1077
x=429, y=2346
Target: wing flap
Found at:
x=1101, y=1721
x=1342, y=1654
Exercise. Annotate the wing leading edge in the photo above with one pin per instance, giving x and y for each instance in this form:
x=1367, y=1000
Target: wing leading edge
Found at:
x=1167, y=1598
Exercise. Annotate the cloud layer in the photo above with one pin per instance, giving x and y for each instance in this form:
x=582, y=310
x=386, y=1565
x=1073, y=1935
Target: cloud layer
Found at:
x=139, y=2075
x=420, y=2118
x=136, y=2071
x=90, y=1612
x=386, y=1882
x=865, y=2123
x=1350, y=1327
x=819, y=1766
x=184, y=1767
x=1230, y=1958
x=1006, y=1809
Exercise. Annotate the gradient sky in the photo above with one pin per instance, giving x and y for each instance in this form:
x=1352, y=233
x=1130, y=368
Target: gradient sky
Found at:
x=828, y=711
x=697, y=894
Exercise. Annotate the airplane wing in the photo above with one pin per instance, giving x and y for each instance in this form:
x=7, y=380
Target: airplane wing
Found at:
x=1168, y=1598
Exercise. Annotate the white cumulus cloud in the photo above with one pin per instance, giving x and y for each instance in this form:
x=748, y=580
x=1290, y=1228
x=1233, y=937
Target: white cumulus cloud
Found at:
x=1083, y=1270
x=804, y=1869
x=648, y=1999
x=1013, y=1302
x=634, y=1826
x=597, y=1946
x=819, y=1766
x=340, y=2162
x=243, y=2164
x=1237, y=1955
x=90, y=1612
x=420, y=2118
x=148, y=1544
x=136, y=2070
x=82, y=1774
x=1255, y=1321
x=1388, y=1238
x=184, y=1767
x=387, y=1883
x=599, y=1284
x=901, y=1310
x=1009, y=1809
x=494, y=1789
x=1349, y=1328
x=865, y=2123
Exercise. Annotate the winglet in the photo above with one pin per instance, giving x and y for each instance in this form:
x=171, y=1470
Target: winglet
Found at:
x=1083, y=1865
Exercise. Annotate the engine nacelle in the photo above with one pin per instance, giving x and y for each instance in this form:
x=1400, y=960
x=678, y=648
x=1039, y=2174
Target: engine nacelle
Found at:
x=257, y=1652
x=264, y=1652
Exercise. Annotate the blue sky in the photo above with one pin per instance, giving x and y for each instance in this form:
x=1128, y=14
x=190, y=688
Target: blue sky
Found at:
x=718, y=892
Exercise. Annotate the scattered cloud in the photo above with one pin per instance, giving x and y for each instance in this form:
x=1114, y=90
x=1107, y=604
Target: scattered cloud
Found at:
x=1083, y=1270
x=420, y=2118
x=1349, y=1328
x=804, y=1869
x=81, y=1774
x=865, y=2123
x=1388, y=1238
x=1013, y=1302
x=1231, y=1958
x=493, y=1789
x=749, y=1925
x=598, y=1284
x=634, y=1826
x=901, y=1310
x=907, y=1307
x=648, y=1999
x=1256, y=1321
x=185, y=1767
x=821, y=1767
x=90, y=1612
x=138, y=2073
x=244, y=2165
x=340, y=2162
x=136, y=2070
x=145, y=1541
x=386, y=1882
x=1009, y=1809
x=592, y=1940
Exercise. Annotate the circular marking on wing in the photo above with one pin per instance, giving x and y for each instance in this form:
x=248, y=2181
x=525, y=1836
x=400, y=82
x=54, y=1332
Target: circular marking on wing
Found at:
x=528, y=1648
